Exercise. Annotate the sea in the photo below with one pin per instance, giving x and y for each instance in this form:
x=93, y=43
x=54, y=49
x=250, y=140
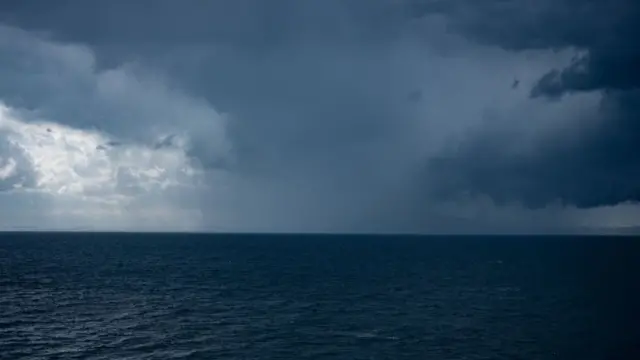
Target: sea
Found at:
x=190, y=296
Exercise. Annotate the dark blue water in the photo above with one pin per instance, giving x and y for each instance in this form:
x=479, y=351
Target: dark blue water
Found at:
x=125, y=296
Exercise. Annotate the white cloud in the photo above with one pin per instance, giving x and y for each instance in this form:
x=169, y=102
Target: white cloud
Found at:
x=98, y=148
x=8, y=170
x=100, y=185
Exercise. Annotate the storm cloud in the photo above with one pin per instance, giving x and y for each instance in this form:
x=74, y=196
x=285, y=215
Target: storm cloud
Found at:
x=597, y=163
x=317, y=115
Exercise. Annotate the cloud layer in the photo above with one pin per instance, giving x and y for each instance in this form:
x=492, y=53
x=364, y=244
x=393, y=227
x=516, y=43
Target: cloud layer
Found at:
x=599, y=169
x=317, y=116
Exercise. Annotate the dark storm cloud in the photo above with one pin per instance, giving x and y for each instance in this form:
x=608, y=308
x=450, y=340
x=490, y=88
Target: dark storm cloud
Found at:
x=305, y=81
x=331, y=104
x=241, y=23
x=602, y=168
x=604, y=29
x=316, y=92
x=287, y=67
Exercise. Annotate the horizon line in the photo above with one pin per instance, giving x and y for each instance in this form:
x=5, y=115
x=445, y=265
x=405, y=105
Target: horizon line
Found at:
x=624, y=232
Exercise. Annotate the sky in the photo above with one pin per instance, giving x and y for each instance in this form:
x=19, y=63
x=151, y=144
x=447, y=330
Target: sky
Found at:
x=376, y=116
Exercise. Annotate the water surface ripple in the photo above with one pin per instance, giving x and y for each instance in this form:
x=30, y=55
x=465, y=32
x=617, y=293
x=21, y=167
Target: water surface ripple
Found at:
x=126, y=296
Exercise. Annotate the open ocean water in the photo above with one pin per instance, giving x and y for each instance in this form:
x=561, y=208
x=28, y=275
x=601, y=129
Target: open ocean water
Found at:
x=172, y=296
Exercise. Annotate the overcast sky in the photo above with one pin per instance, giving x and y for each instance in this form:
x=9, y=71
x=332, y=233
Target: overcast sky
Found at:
x=309, y=115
